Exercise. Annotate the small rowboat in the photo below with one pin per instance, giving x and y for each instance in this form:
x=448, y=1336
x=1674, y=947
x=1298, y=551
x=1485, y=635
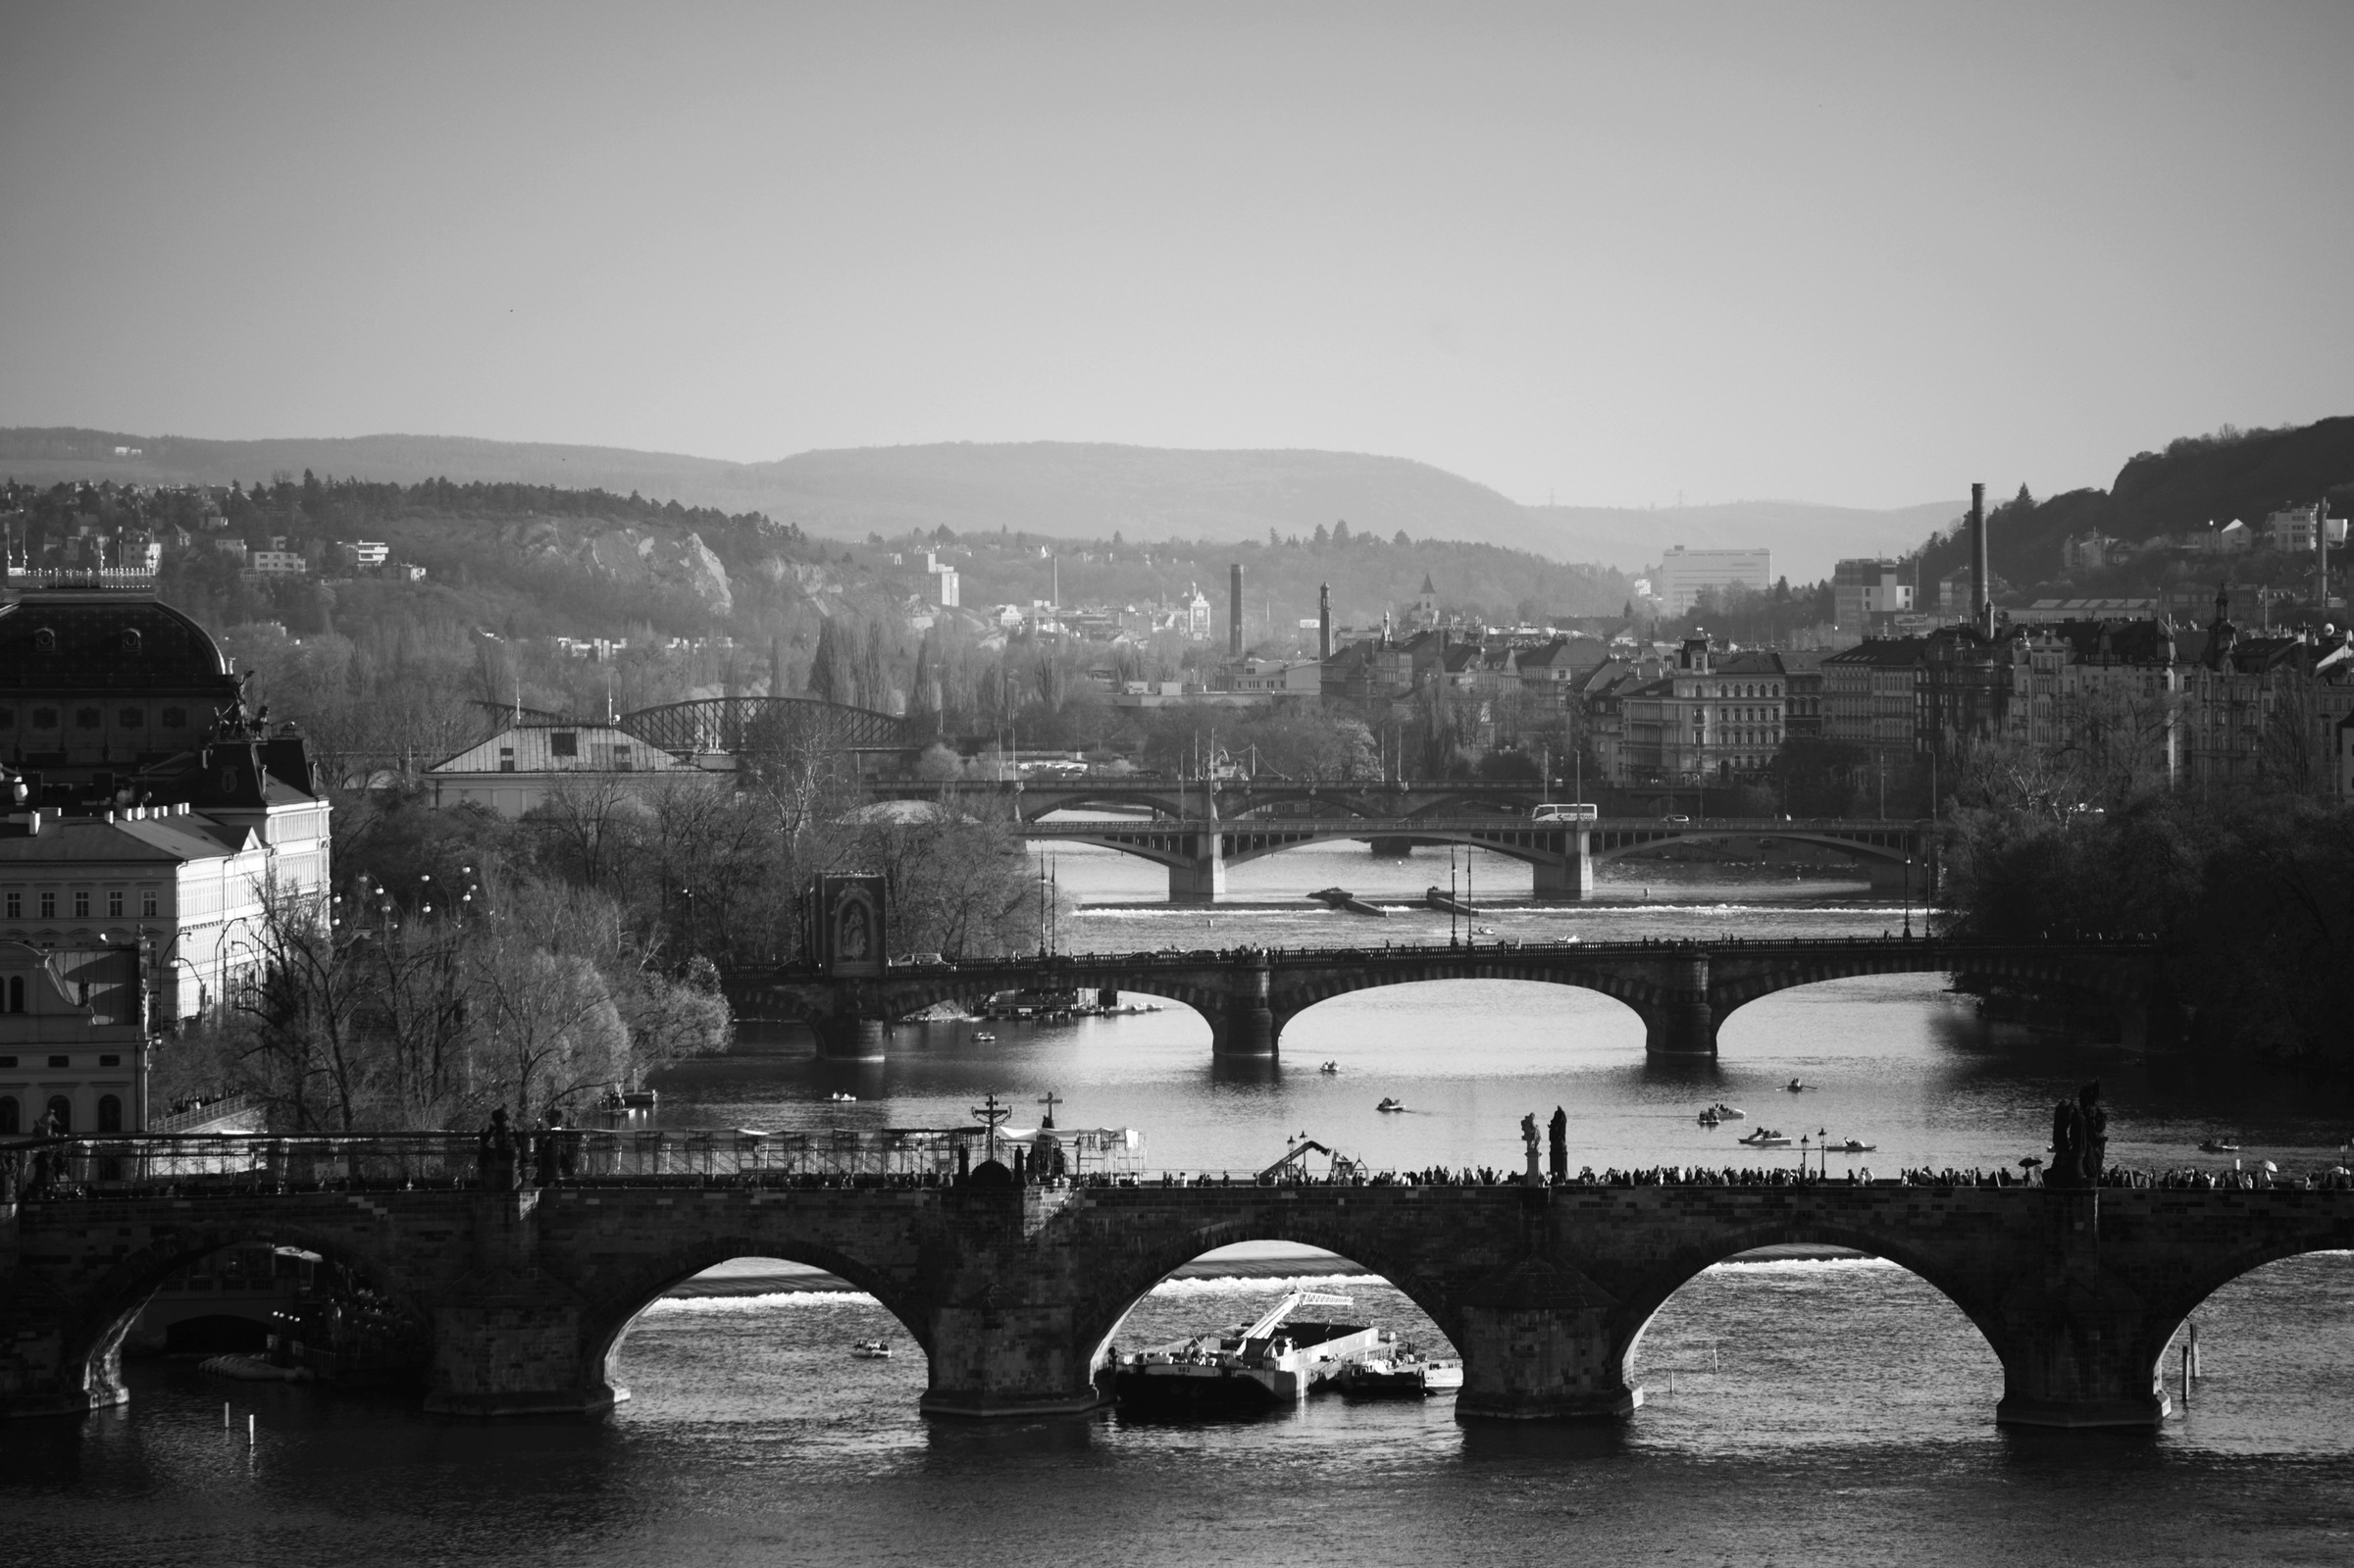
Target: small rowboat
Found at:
x=870, y=1350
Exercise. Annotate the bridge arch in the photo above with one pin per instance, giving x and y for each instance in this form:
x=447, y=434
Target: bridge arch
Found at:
x=1110, y=1304
x=1291, y=1002
x=614, y=1306
x=95, y=1321
x=1653, y=1291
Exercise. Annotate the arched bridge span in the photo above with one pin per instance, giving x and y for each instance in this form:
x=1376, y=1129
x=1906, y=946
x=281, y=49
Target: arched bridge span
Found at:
x=1682, y=990
x=1012, y=1291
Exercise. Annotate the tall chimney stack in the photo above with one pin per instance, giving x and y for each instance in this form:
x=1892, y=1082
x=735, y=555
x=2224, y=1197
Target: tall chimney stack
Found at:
x=1982, y=599
x=1234, y=612
x=1323, y=621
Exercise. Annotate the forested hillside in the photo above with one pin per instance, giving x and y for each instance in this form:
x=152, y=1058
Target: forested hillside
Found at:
x=2198, y=479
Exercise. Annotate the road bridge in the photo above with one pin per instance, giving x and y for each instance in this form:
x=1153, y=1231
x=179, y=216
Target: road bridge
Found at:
x=1683, y=991
x=520, y=1299
x=1563, y=856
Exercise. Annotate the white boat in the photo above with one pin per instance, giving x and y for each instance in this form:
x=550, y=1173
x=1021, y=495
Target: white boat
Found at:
x=1329, y=1067
x=1276, y=1361
x=1766, y=1138
x=1398, y=1373
x=871, y=1350
x=983, y=1035
x=1729, y=1113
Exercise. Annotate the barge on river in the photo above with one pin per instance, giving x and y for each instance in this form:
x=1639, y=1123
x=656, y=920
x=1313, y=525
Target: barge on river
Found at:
x=1272, y=1364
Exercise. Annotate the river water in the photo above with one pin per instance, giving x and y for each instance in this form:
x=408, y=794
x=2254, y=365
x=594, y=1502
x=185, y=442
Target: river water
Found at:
x=1821, y=1412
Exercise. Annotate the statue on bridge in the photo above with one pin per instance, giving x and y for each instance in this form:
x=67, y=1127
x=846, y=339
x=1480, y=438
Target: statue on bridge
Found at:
x=1560, y=1140
x=495, y=1153
x=1528, y=1139
x=2079, y=1140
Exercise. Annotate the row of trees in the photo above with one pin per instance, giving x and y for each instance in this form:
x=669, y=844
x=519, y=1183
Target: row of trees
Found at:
x=464, y=961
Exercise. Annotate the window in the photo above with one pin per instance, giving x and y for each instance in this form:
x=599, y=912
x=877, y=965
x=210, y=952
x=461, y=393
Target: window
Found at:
x=61, y=1113
x=110, y=1114
x=114, y=903
x=8, y=718
x=564, y=742
x=16, y=905
x=11, y=1116
x=110, y=1061
x=82, y=904
x=147, y=902
x=15, y=1001
x=48, y=905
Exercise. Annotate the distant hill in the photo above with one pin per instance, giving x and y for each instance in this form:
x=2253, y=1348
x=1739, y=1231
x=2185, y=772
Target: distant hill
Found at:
x=1053, y=488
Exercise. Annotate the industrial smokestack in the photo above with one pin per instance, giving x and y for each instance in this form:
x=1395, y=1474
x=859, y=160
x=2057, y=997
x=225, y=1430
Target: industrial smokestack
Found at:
x=1324, y=620
x=1982, y=599
x=1234, y=624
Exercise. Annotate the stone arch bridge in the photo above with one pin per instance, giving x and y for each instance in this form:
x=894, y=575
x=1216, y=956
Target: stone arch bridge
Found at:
x=523, y=1298
x=1683, y=991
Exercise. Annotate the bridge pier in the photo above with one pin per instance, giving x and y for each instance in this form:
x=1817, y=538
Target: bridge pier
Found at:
x=2076, y=1344
x=1200, y=879
x=1683, y=1022
x=1539, y=1345
x=1248, y=1027
x=1568, y=875
x=847, y=1037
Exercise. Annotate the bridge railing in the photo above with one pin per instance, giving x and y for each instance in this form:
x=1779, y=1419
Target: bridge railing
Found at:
x=242, y=1166
x=235, y=1163
x=1180, y=958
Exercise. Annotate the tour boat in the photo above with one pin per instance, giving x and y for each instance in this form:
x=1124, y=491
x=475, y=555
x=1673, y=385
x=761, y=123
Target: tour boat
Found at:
x=1766, y=1138
x=1388, y=1105
x=871, y=1350
x=1400, y=1372
x=1275, y=1362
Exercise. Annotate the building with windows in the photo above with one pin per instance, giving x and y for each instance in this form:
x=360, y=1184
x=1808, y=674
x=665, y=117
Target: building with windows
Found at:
x=1863, y=588
x=1685, y=574
x=74, y=1029
x=523, y=764
x=142, y=809
x=1709, y=720
x=1875, y=695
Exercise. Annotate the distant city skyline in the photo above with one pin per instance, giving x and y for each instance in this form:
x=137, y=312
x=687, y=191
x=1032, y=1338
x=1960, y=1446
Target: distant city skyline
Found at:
x=1842, y=254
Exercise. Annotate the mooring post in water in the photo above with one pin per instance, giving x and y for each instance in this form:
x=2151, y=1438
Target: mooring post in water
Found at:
x=2186, y=1380
x=2196, y=1370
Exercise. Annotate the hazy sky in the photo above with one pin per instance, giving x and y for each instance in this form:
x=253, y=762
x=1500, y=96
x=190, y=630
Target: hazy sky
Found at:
x=1861, y=254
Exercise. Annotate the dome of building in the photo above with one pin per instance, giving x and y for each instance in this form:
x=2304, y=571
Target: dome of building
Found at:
x=62, y=642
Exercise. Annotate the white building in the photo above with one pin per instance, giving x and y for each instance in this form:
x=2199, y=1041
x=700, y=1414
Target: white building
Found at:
x=520, y=766
x=1865, y=588
x=277, y=563
x=1685, y=574
x=942, y=589
x=368, y=552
